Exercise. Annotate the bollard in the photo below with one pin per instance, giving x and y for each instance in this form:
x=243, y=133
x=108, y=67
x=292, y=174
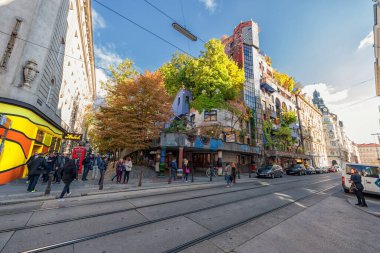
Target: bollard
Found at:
x=101, y=180
x=140, y=179
x=192, y=175
x=48, y=187
x=170, y=176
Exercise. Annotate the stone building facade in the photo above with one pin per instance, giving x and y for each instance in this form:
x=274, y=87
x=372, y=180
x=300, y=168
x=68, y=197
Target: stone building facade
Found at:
x=369, y=153
x=35, y=42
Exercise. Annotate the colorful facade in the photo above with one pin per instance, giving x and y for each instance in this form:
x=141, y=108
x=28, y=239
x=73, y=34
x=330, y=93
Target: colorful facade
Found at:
x=26, y=132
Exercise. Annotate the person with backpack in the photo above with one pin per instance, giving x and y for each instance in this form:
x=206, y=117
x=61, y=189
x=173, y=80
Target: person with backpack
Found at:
x=128, y=169
x=36, y=167
x=69, y=173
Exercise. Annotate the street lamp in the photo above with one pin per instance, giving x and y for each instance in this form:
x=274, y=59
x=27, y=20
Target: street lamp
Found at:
x=184, y=31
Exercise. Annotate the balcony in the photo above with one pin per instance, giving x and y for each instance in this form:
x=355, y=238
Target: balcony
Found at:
x=268, y=85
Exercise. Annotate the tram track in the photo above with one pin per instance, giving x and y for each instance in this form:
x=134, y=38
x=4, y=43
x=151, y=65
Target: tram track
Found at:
x=14, y=229
x=148, y=222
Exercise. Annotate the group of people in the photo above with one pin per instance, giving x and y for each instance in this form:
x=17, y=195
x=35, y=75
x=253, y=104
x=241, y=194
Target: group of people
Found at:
x=185, y=170
x=230, y=173
x=63, y=167
x=123, y=167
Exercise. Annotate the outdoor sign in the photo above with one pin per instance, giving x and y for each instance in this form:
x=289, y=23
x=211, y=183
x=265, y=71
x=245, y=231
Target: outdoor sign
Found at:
x=72, y=137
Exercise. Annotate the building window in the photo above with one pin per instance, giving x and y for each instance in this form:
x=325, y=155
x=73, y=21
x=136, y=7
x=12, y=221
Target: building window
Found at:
x=210, y=115
x=61, y=51
x=10, y=45
x=40, y=136
x=50, y=90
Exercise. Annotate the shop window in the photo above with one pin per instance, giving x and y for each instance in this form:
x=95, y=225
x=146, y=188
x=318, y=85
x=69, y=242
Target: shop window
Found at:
x=52, y=145
x=40, y=136
x=210, y=115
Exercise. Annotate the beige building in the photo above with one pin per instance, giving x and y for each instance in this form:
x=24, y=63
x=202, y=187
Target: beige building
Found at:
x=369, y=153
x=47, y=77
x=313, y=142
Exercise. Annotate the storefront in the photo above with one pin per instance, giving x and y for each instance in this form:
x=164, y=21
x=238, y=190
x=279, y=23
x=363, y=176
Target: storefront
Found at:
x=24, y=131
x=285, y=159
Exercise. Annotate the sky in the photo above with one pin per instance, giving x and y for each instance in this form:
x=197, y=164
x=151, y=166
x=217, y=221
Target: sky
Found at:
x=326, y=44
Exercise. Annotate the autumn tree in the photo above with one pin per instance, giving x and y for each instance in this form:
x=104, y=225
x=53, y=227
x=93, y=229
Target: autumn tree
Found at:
x=136, y=108
x=285, y=80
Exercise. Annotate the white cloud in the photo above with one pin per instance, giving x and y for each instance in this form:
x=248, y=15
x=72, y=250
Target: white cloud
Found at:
x=330, y=96
x=367, y=41
x=105, y=57
x=98, y=21
x=209, y=4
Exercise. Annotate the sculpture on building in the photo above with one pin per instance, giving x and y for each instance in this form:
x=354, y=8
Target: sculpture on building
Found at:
x=30, y=72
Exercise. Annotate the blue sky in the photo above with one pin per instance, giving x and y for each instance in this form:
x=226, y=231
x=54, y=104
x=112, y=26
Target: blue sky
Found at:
x=317, y=42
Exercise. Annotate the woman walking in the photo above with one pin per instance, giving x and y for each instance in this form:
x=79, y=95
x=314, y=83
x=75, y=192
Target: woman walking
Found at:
x=186, y=170
x=233, y=172
x=119, y=170
x=128, y=169
x=357, y=187
x=228, y=171
x=69, y=173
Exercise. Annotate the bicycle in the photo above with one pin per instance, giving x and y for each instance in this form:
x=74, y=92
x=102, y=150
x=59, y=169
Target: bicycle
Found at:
x=214, y=172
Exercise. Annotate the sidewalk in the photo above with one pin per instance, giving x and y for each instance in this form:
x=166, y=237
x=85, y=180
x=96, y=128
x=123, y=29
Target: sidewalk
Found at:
x=373, y=206
x=15, y=192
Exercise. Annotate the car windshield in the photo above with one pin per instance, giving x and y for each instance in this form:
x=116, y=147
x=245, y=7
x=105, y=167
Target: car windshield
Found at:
x=297, y=166
x=266, y=168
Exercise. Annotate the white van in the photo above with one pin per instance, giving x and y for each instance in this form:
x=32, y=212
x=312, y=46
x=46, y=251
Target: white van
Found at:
x=370, y=177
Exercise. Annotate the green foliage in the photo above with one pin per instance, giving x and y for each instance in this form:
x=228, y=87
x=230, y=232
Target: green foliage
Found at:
x=212, y=78
x=174, y=73
x=288, y=118
x=267, y=129
x=177, y=126
x=284, y=80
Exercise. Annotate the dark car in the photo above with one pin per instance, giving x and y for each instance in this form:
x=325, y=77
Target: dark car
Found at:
x=310, y=170
x=270, y=171
x=296, y=169
x=318, y=170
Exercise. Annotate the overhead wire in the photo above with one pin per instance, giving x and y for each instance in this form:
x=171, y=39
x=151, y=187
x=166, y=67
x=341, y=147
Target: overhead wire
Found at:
x=170, y=17
x=52, y=50
x=142, y=27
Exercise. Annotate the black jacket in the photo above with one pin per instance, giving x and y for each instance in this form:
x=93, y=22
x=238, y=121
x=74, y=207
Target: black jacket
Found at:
x=69, y=172
x=37, y=166
x=357, y=180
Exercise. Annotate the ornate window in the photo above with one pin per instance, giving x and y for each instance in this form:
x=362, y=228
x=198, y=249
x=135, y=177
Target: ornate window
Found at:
x=51, y=86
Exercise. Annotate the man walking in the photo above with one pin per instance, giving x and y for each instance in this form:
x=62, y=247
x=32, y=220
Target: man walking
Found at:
x=59, y=165
x=69, y=173
x=29, y=162
x=50, y=162
x=35, y=169
x=173, y=168
x=86, y=165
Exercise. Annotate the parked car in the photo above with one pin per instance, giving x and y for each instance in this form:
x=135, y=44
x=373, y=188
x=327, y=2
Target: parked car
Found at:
x=332, y=169
x=296, y=169
x=325, y=170
x=271, y=171
x=318, y=170
x=310, y=170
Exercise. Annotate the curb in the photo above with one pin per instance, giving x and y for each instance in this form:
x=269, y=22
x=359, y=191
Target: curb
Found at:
x=366, y=210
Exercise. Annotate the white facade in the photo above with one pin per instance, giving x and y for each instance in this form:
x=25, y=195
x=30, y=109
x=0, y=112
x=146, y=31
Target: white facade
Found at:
x=55, y=36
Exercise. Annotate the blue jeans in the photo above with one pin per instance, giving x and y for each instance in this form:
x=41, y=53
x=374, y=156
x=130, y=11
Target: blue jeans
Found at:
x=85, y=172
x=229, y=179
x=173, y=174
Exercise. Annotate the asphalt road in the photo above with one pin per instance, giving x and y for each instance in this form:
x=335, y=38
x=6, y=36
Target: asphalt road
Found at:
x=290, y=214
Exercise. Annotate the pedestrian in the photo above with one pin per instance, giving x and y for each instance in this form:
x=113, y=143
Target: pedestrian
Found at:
x=119, y=170
x=357, y=187
x=59, y=165
x=128, y=169
x=50, y=159
x=29, y=162
x=102, y=168
x=186, y=170
x=173, y=169
x=233, y=172
x=69, y=173
x=86, y=166
x=228, y=173
x=95, y=168
x=36, y=167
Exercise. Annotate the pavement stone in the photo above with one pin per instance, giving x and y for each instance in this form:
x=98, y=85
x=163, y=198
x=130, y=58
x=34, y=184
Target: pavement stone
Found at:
x=312, y=231
x=373, y=206
x=4, y=238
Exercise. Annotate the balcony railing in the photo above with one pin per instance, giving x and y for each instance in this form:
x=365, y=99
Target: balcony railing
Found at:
x=268, y=84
